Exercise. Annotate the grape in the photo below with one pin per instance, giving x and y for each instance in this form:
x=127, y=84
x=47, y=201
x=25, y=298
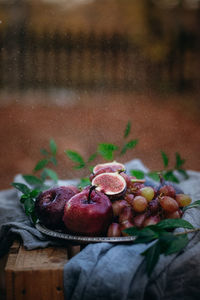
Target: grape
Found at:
x=124, y=225
x=167, y=190
x=129, y=198
x=168, y=204
x=127, y=179
x=147, y=192
x=183, y=200
x=152, y=220
x=139, y=219
x=139, y=204
x=154, y=206
x=114, y=230
x=136, y=187
x=126, y=215
x=118, y=206
x=173, y=215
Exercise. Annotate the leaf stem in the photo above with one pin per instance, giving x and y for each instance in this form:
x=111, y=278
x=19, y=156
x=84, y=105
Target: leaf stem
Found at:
x=187, y=231
x=135, y=180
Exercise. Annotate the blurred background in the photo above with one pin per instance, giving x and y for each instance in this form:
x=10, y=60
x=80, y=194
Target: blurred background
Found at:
x=77, y=71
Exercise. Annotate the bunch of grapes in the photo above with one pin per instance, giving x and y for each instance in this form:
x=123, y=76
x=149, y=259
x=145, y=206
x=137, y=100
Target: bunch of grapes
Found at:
x=143, y=205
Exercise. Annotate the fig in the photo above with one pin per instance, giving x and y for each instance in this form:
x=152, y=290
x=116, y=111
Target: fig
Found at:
x=114, y=165
x=111, y=184
x=100, y=171
x=49, y=205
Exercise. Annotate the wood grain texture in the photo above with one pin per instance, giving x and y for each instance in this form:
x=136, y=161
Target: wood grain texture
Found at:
x=36, y=274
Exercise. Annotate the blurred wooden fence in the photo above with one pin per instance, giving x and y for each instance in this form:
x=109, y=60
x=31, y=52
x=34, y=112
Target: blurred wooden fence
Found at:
x=33, y=60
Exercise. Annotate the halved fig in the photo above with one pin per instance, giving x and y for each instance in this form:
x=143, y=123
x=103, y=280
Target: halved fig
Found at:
x=112, y=184
x=114, y=165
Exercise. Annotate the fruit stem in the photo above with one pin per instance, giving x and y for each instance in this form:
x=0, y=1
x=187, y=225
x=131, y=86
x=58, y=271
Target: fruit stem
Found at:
x=187, y=231
x=138, y=180
x=161, y=178
x=93, y=187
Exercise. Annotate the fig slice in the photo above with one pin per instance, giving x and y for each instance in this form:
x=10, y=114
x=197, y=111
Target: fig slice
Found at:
x=110, y=183
x=114, y=165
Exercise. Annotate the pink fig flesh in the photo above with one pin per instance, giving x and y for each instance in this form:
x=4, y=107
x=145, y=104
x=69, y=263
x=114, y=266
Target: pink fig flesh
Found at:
x=114, y=165
x=109, y=183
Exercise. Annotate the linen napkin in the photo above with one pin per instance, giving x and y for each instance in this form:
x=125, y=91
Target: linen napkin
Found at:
x=110, y=271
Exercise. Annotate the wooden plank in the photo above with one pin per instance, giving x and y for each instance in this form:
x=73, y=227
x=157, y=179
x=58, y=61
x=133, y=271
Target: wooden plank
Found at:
x=36, y=274
x=3, y=261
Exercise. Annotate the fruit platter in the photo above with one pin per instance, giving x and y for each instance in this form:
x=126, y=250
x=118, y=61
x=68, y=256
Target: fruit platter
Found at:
x=104, y=210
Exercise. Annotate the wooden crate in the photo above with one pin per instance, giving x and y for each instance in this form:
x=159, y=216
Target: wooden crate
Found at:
x=36, y=274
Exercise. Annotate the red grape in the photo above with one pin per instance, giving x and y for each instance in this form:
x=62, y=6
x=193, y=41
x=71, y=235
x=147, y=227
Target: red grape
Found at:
x=139, y=204
x=167, y=190
x=114, y=230
x=152, y=220
x=168, y=204
x=183, y=200
x=118, y=206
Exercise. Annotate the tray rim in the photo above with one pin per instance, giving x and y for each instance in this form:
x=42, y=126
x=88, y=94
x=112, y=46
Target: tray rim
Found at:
x=82, y=239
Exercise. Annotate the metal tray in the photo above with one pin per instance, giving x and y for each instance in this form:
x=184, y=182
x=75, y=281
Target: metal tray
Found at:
x=82, y=239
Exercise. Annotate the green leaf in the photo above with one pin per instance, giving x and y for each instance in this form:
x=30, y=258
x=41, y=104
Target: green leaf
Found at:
x=92, y=157
x=144, y=235
x=34, y=193
x=165, y=158
x=91, y=169
x=169, y=176
x=29, y=206
x=84, y=182
x=184, y=173
x=192, y=205
x=53, y=160
x=173, y=223
x=52, y=174
x=127, y=129
x=32, y=180
x=41, y=164
x=33, y=217
x=129, y=145
x=154, y=176
x=152, y=255
x=137, y=173
x=75, y=157
x=106, y=150
x=24, y=197
x=21, y=187
x=44, y=152
x=174, y=243
x=53, y=147
x=179, y=161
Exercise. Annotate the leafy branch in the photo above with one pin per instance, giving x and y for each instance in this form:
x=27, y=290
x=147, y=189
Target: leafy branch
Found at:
x=163, y=240
x=28, y=199
x=41, y=167
x=167, y=173
x=105, y=150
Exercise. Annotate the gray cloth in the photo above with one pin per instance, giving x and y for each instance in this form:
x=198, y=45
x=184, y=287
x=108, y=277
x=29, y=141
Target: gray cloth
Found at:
x=108, y=271
x=117, y=272
x=14, y=222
